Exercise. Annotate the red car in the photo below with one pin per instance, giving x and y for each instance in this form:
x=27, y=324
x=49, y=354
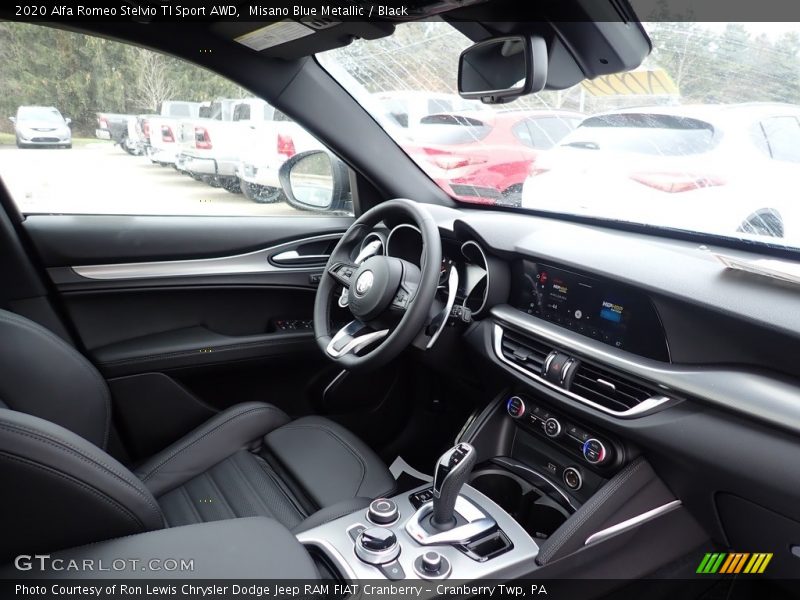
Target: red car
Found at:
x=484, y=156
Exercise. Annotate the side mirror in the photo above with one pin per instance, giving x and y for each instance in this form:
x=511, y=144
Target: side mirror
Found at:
x=502, y=69
x=67, y=120
x=316, y=180
x=13, y=119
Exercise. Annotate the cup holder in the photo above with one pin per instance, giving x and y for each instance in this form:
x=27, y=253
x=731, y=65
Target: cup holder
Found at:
x=504, y=490
x=539, y=515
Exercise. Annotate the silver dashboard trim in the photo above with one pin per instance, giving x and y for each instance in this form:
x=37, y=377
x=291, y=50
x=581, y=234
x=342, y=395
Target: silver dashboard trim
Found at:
x=485, y=269
x=608, y=532
x=257, y=261
x=394, y=229
x=641, y=409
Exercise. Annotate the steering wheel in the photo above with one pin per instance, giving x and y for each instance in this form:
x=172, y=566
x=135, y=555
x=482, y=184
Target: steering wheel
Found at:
x=389, y=298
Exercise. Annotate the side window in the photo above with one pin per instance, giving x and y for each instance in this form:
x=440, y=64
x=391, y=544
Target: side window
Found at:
x=241, y=112
x=783, y=137
x=522, y=133
x=548, y=131
x=138, y=133
x=398, y=110
x=439, y=105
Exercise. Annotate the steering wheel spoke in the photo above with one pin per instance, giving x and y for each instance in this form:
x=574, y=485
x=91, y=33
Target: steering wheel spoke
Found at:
x=353, y=337
x=403, y=297
x=343, y=273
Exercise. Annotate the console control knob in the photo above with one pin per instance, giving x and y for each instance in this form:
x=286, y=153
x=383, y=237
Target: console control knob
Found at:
x=515, y=407
x=572, y=478
x=552, y=427
x=432, y=565
x=383, y=511
x=432, y=562
x=377, y=546
x=594, y=451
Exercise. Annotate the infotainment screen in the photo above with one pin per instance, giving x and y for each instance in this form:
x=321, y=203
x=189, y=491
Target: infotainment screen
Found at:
x=611, y=313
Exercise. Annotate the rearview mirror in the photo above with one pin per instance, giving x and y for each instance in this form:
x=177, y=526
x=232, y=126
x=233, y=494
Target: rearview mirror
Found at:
x=502, y=69
x=12, y=119
x=67, y=120
x=316, y=180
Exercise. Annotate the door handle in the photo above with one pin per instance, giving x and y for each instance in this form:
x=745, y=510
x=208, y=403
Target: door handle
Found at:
x=292, y=258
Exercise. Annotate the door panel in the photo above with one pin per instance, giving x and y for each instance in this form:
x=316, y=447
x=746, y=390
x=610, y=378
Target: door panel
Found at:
x=161, y=303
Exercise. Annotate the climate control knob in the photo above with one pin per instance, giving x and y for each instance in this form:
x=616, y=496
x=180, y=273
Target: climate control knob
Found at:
x=552, y=427
x=594, y=451
x=515, y=407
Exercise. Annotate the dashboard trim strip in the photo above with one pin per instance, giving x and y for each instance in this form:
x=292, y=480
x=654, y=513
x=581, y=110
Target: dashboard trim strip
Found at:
x=627, y=524
x=251, y=262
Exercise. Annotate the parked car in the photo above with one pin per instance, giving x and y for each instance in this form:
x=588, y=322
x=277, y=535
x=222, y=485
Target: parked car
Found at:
x=726, y=167
x=115, y=127
x=484, y=157
x=41, y=126
x=273, y=141
x=211, y=145
x=407, y=109
x=163, y=130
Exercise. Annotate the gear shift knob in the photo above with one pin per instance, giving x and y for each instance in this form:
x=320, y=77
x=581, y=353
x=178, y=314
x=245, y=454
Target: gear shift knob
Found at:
x=452, y=471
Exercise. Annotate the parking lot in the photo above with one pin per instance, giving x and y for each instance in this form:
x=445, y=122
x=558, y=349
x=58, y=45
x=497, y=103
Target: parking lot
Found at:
x=100, y=178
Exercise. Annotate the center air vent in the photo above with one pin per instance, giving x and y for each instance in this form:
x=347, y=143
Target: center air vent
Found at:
x=608, y=389
x=599, y=387
x=526, y=352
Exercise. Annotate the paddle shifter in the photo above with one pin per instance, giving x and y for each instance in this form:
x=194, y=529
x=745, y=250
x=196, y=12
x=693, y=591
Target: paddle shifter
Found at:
x=452, y=471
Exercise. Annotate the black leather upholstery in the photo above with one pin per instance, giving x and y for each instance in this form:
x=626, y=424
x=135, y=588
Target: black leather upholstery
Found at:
x=254, y=549
x=215, y=440
x=329, y=462
x=42, y=375
x=300, y=467
x=61, y=489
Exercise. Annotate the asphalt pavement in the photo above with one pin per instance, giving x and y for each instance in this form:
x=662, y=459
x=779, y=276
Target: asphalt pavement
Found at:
x=100, y=178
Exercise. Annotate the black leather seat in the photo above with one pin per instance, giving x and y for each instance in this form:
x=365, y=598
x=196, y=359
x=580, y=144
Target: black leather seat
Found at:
x=61, y=489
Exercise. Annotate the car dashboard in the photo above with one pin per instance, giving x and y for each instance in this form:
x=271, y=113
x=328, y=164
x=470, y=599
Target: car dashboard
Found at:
x=603, y=343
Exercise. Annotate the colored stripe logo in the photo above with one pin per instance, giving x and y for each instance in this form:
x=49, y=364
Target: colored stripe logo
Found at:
x=731, y=563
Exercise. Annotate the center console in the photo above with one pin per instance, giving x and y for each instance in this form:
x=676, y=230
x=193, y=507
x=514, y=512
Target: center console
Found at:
x=526, y=489
x=446, y=530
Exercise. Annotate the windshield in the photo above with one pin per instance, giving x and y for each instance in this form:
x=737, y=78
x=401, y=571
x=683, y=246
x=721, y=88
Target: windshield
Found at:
x=703, y=137
x=39, y=113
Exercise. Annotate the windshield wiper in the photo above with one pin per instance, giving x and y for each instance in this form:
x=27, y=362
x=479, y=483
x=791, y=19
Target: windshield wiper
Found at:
x=584, y=145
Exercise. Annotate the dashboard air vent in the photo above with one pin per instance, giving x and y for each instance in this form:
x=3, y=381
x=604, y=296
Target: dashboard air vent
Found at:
x=610, y=390
x=526, y=352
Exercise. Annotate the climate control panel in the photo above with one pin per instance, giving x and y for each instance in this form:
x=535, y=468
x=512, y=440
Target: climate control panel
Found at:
x=592, y=448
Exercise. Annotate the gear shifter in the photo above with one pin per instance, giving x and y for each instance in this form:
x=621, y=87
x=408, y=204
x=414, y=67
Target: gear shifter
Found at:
x=452, y=471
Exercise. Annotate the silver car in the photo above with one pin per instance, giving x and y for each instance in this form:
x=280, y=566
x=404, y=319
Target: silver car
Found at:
x=41, y=126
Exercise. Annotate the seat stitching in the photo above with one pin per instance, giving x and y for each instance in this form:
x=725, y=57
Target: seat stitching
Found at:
x=192, y=506
x=102, y=496
x=70, y=449
x=342, y=442
x=279, y=484
x=228, y=505
x=178, y=451
x=250, y=486
x=81, y=360
x=601, y=498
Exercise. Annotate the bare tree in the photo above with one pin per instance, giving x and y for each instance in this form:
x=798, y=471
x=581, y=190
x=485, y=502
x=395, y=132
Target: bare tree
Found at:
x=153, y=83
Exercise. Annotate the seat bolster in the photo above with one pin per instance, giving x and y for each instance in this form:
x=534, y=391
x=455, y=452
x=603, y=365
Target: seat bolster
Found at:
x=330, y=463
x=215, y=440
x=61, y=490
